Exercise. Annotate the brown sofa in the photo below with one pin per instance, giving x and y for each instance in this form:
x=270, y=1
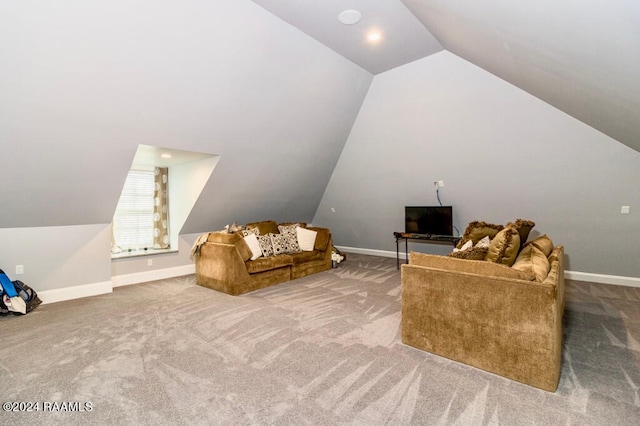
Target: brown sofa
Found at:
x=223, y=262
x=488, y=315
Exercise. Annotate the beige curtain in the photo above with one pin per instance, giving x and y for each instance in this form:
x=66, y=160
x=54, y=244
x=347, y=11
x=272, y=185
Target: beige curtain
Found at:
x=160, y=209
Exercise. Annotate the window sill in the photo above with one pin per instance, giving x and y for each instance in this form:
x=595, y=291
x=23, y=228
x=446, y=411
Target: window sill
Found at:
x=125, y=254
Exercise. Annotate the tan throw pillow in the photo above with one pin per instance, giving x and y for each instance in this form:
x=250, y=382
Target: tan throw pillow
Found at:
x=477, y=230
x=544, y=244
x=532, y=260
x=523, y=227
x=504, y=247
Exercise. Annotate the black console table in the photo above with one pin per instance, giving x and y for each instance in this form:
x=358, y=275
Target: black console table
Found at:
x=427, y=238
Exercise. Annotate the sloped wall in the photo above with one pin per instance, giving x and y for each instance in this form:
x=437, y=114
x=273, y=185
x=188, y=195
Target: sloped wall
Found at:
x=502, y=154
x=84, y=82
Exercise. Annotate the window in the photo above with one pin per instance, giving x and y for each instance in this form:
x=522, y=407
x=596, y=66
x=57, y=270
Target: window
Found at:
x=141, y=223
x=139, y=211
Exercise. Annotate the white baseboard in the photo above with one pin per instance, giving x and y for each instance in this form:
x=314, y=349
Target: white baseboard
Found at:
x=75, y=292
x=602, y=279
x=153, y=275
x=572, y=275
x=95, y=289
x=382, y=253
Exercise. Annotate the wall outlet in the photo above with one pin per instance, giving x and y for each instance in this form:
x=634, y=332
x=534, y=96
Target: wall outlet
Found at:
x=439, y=183
x=149, y=262
x=625, y=209
x=19, y=269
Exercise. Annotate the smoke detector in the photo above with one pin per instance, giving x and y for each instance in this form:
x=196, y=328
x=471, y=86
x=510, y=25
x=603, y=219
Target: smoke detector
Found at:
x=349, y=17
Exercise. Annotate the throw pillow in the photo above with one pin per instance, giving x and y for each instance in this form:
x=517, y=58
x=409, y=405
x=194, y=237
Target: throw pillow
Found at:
x=466, y=246
x=523, y=227
x=484, y=243
x=284, y=243
x=265, y=245
x=248, y=231
x=288, y=229
x=544, y=243
x=477, y=230
x=253, y=243
x=504, y=247
x=474, y=253
x=306, y=238
x=532, y=260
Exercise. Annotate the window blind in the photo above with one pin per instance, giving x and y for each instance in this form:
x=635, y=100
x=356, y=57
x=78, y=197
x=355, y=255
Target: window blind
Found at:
x=133, y=219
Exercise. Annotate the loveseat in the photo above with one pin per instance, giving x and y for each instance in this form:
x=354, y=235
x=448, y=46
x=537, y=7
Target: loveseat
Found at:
x=500, y=315
x=260, y=254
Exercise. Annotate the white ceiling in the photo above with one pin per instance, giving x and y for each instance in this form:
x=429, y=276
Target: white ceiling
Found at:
x=582, y=58
x=154, y=156
x=403, y=37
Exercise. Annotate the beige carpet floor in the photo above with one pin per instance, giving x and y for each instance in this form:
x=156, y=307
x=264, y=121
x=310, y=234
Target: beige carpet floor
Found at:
x=321, y=350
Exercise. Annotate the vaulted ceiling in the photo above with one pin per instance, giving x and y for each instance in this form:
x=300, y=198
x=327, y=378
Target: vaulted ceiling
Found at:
x=581, y=57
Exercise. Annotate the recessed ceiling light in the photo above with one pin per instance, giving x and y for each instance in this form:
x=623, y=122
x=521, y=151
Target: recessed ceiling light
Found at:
x=374, y=36
x=349, y=17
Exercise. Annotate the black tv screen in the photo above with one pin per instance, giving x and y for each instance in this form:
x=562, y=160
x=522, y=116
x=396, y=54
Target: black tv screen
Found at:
x=432, y=220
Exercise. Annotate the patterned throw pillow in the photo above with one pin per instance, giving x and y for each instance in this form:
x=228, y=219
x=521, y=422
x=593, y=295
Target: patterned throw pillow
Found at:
x=284, y=243
x=288, y=229
x=248, y=231
x=265, y=245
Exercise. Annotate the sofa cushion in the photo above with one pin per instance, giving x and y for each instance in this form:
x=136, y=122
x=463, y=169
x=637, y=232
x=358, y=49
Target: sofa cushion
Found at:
x=284, y=243
x=523, y=227
x=532, y=260
x=254, y=245
x=504, y=247
x=468, y=266
x=268, y=263
x=477, y=230
x=265, y=245
x=322, y=238
x=265, y=227
x=306, y=238
x=544, y=244
x=307, y=256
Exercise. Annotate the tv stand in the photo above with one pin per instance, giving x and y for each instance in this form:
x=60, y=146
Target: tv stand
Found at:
x=427, y=238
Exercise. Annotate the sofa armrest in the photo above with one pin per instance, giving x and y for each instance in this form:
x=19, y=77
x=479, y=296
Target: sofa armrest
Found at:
x=479, y=267
x=506, y=326
x=322, y=238
x=221, y=266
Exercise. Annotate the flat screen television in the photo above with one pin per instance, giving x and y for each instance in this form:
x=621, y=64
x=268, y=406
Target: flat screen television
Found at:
x=431, y=220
